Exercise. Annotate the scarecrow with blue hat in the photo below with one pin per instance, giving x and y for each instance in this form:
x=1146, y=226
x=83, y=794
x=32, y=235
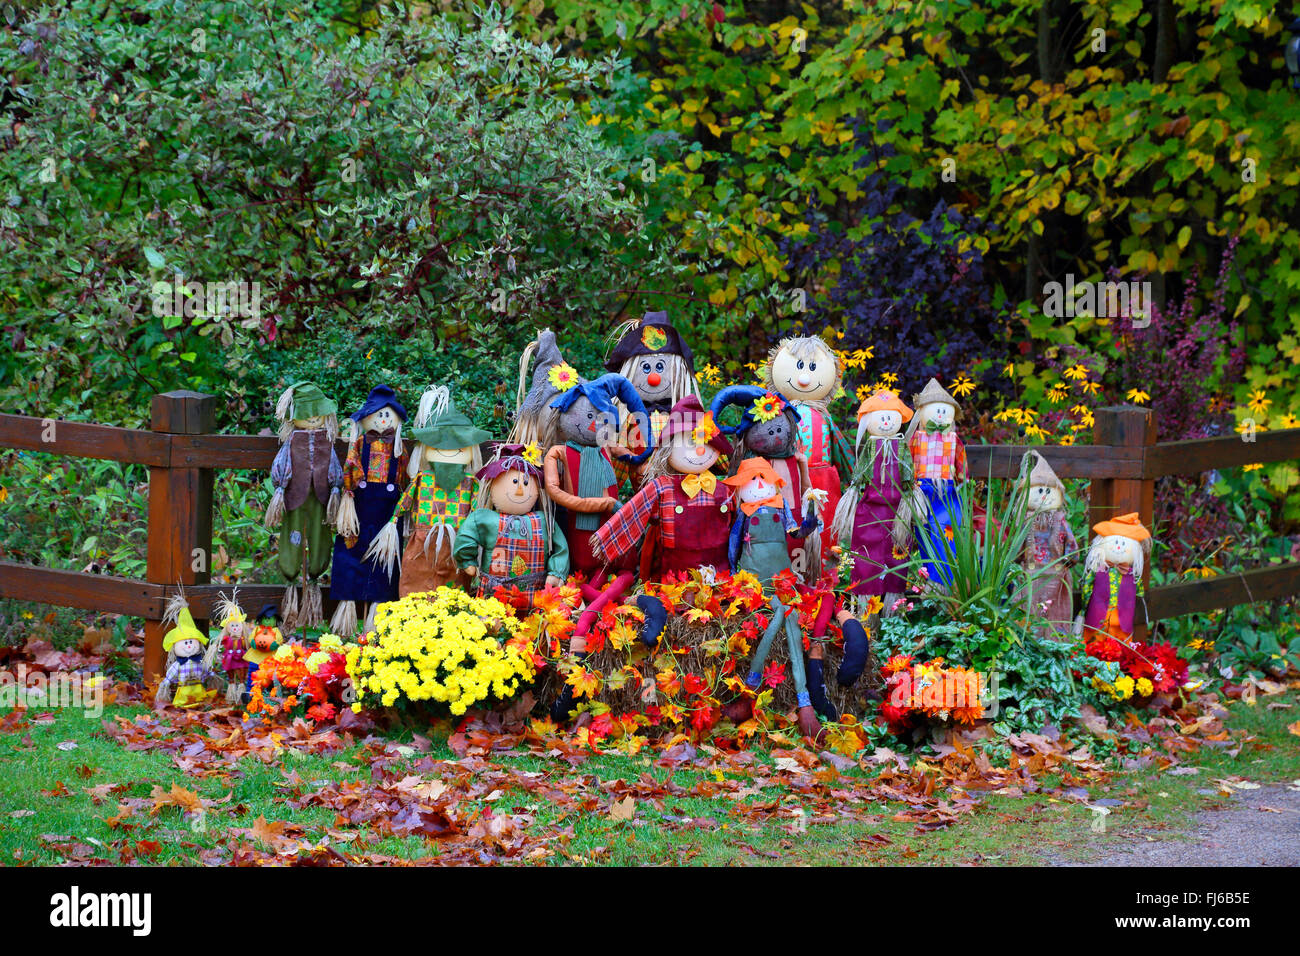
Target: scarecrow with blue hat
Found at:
x=374, y=477
x=580, y=479
x=440, y=494
x=307, y=476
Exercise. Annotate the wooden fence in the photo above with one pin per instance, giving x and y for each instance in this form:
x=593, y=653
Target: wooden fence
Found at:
x=181, y=453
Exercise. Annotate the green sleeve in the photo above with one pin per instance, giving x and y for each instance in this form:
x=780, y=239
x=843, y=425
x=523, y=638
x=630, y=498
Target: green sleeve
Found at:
x=477, y=531
x=557, y=562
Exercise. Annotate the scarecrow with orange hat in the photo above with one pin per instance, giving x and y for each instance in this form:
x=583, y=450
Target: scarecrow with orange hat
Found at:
x=1116, y=561
x=865, y=517
x=757, y=544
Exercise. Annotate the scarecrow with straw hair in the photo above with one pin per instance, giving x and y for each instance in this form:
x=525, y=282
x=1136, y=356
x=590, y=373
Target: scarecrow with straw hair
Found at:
x=510, y=542
x=307, y=477
x=808, y=374
x=1116, y=561
x=1050, y=548
x=374, y=477
x=236, y=630
x=652, y=355
x=938, y=468
x=440, y=495
x=190, y=674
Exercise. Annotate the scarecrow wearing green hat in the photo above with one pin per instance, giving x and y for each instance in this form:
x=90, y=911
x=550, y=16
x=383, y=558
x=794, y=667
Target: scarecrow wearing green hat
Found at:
x=441, y=493
x=307, y=477
x=189, y=669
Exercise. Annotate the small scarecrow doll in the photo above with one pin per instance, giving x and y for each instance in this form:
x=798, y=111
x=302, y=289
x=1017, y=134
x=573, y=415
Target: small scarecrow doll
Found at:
x=307, y=477
x=769, y=428
x=263, y=642
x=1050, y=549
x=190, y=679
x=757, y=544
x=651, y=354
x=440, y=495
x=580, y=478
x=808, y=374
x=509, y=541
x=938, y=467
x=865, y=519
x=374, y=476
x=1116, y=561
x=680, y=519
x=236, y=630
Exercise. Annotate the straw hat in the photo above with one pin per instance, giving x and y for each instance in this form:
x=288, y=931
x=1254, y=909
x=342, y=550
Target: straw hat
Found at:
x=1042, y=474
x=934, y=392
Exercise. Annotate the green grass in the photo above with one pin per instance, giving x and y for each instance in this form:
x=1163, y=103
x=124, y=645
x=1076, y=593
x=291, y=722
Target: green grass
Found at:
x=692, y=828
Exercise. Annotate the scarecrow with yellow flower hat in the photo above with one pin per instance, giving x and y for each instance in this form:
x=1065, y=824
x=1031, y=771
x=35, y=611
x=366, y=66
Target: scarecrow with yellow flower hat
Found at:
x=510, y=541
x=189, y=671
x=1116, y=560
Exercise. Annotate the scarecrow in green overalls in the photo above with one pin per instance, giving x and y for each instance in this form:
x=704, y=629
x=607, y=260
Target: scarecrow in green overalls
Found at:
x=307, y=477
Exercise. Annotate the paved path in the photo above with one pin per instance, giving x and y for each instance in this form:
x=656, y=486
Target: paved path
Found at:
x=1261, y=829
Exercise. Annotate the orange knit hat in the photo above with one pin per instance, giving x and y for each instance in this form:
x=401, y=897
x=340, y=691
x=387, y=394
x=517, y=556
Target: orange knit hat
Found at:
x=882, y=401
x=752, y=468
x=1128, y=526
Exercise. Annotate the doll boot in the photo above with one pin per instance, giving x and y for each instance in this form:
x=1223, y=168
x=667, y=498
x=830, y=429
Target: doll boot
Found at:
x=817, y=691
x=742, y=708
x=856, y=648
x=656, y=619
x=563, y=707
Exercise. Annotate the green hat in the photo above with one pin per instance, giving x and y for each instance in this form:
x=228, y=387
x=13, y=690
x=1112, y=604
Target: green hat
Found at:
x=309, y=401
x=184, y=628
x=450, y=429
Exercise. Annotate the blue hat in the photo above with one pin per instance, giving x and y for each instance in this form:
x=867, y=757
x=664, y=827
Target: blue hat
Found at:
x=749, y=397
x=380, y=396
x=601, y=393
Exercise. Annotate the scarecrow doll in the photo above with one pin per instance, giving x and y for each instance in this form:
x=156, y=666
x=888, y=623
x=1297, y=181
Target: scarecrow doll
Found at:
x=374, y=476
x=808, y=374
x=680, y=519
x=509, y=542
x=938, y=467
x=757, y=544
x=307, y=477
x=1050, y=549
x=440, y=495
x=236, y=630
x=865, y=517
x=263, y=642
x=1115, y=561
x=651, y=354
x=580, y=478
x=189, y=671
x=769, y=428
x=536, y=422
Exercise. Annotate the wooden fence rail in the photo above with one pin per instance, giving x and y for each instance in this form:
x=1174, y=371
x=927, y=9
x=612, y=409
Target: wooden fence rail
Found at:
x=182, y=453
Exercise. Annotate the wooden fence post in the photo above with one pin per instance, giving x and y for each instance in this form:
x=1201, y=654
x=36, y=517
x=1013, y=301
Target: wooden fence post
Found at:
x=1133, y=428
x=180, y=512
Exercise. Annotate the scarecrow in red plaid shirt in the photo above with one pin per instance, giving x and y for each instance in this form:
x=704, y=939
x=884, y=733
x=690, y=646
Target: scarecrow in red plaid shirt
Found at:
x=513, y=544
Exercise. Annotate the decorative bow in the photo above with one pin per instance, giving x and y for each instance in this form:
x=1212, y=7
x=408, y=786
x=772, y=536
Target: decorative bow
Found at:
x=694, y=484
x=935, y=428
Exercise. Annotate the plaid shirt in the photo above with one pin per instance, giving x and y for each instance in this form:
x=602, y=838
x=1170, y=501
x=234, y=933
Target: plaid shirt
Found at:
x=434, y=505
x=630, y=437
x=941, y=456
x=626, y=528
x=381, y=453
x=188, y=670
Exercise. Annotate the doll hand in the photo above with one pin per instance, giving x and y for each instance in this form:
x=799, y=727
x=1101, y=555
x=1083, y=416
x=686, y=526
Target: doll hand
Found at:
x=471, y=571
x=612, y=504
x=552, y=581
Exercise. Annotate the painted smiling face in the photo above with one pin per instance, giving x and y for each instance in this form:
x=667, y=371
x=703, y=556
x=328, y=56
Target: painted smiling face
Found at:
x=1119, y=550
x=383, y=421
x=883, y=423
x=188, y=647
x=938, y=413
x=774, y=439
x=448, y=456
x=514, y=493
x=582, y=424
x=309, y=424
x=1045, y=498
x=805, y=372
x=687, y=458
x=652, y=377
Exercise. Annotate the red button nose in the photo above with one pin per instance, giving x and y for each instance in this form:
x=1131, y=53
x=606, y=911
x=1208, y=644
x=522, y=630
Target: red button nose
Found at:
x=653, y=379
